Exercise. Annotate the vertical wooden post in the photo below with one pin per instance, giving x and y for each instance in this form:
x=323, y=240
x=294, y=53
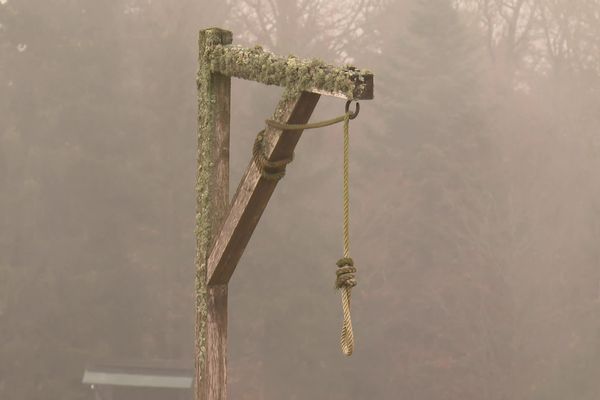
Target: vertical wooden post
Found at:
x=212, y=190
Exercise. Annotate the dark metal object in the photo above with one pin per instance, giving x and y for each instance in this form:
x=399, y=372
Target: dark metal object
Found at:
x=356, y=110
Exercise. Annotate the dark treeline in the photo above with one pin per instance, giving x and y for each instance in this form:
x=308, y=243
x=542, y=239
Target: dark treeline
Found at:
x=475, y=199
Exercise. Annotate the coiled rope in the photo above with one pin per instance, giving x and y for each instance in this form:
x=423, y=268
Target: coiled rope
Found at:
x=275, y=170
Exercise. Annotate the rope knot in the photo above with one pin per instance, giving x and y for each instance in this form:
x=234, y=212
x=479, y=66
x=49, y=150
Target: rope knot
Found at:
x=345, y=273
x=271, y=170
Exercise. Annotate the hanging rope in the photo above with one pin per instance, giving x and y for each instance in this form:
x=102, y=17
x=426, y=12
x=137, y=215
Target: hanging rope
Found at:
x=346, y=278
x=275, y=170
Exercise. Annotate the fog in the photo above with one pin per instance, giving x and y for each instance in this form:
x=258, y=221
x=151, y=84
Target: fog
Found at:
x=475, y=199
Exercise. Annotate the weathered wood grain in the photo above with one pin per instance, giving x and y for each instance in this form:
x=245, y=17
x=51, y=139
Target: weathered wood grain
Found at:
x=311, y=75
x=254, y=191
x=212, y=187
x=216, y=341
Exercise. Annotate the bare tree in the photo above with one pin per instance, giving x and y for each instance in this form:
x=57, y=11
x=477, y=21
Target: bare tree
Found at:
x=570, y=33
x=325, y=27
x=507, y=26
x=539, y=36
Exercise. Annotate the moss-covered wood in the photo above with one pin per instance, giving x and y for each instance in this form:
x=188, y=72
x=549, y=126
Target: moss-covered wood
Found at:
x=212, y=197
x=312, y=75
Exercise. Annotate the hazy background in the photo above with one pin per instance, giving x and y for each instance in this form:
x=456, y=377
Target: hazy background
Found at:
x=475, y=198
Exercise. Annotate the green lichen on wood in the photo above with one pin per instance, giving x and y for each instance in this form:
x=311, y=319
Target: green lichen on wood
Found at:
x=297, y=74
x=205, y=181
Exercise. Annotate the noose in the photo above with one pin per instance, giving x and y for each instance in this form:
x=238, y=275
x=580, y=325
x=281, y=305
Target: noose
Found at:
x=346, y=278
x=275, y=170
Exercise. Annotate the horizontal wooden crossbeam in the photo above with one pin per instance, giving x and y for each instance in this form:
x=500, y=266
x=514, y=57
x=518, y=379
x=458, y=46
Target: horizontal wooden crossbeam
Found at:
x=311, y=75
x=254, y=191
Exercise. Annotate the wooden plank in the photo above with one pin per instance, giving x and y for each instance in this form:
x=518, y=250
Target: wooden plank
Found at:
x=216, y=340
x=315, y=76
x=212, y=187
x=254, y=191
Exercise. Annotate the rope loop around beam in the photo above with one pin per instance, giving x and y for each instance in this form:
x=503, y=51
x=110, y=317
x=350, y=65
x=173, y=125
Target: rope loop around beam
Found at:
x=270, y=170
x=275, y=170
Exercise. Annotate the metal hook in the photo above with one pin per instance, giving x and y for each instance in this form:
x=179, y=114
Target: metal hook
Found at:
x=356, y=110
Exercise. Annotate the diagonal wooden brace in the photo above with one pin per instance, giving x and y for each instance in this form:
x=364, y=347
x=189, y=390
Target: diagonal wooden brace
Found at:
x=254, y=191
